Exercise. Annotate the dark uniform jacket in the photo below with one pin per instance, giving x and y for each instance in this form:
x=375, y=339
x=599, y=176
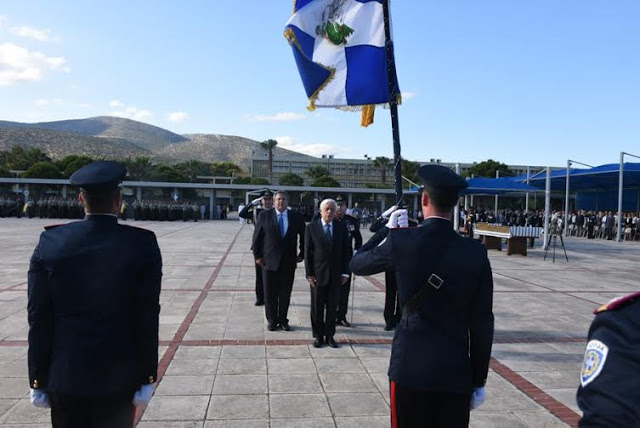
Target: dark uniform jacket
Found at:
x=268, y=244
x=609, y=395
x=94, y=287
x=446, y=345
x=353, y=230
x=323, y=260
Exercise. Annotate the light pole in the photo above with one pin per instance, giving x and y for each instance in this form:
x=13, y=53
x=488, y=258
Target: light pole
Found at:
x=566, y=194
x=620, y=186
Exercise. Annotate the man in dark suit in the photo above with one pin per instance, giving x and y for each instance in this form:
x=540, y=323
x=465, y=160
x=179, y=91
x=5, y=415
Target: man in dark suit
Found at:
x=274, y=249
x=327, y=252
x=93, y=308
x=252, y=212
x=355, y=242
x=441, y=348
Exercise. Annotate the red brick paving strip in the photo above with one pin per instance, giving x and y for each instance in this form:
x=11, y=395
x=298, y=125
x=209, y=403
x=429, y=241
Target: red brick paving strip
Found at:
x=186, y=323
x=558, y=409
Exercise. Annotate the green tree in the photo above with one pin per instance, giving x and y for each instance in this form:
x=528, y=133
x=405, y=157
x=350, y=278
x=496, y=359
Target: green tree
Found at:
x=383, y=163
x=488, y=168
x=325, y=181
x=140, y=168
x=410, y=170
x=42, y=170
x=269, y=145
x=70, y=164
x=4, y=172
x=166, y=173
x=259, y=180
x=316, y=171
x=291, y=179
x=192, y=168
x=225, y=169
x=21, y=159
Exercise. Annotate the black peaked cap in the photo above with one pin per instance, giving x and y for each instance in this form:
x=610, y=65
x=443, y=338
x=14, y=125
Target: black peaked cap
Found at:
x=100, y=176
x=440, y=177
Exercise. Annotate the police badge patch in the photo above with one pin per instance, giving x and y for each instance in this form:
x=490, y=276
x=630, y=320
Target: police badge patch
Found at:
x=594, y=359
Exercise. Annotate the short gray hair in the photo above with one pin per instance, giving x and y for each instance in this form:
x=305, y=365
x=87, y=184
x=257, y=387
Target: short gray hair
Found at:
x=328, y=201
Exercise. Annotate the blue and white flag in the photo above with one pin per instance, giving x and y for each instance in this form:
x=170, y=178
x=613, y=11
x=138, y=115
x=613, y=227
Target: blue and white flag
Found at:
x=339, y=48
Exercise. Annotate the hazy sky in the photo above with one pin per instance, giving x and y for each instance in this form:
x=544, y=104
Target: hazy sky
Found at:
x=523, y=82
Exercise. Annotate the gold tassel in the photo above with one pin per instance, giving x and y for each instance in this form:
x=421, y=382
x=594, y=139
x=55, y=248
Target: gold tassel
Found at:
x=367, y=115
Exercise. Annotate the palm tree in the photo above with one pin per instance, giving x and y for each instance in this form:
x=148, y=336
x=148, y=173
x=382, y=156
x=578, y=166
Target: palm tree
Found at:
x=382, y=163
x=316, y=171
x=140, y=168
x=269, y=145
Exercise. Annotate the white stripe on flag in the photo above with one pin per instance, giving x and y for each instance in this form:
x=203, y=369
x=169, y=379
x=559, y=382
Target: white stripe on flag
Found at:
x=334, y=93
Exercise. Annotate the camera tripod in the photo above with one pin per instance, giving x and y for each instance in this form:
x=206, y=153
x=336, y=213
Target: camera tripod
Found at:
x=554, y=234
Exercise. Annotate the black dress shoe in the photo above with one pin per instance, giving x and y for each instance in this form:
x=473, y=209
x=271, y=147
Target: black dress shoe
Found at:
x=272, y=326
x=259, y=303
x=344, y=323
x=317, y=343
x=389, y=327
x=285, y=326
x=332, y=343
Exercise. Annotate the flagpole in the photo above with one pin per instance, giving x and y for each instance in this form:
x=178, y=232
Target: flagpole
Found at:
x=393, y=103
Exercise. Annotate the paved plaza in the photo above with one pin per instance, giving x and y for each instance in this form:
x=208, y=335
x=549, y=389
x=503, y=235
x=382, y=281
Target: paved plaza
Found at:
x=221, y=367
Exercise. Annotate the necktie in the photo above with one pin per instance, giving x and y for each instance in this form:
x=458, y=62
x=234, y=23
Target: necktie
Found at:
x=281, y=224
x=327, y=232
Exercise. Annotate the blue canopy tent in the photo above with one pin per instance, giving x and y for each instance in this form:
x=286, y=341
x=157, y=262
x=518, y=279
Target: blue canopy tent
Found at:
x=603, y=177
x=498, y=186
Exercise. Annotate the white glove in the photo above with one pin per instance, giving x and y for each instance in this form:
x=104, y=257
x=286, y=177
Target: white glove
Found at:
x=143, y=395
x=256, y=201
x=398, y=219
x=40, y=399
x=388, y=212
x=478, y=395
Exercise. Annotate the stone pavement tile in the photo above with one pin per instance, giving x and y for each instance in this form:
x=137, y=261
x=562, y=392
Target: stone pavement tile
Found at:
x=14, y=387
x=566, y=396
x=339, y=365
x=343, y=351
x=176, y=408
x=17, y=368
x=551, y=379
x=303, y=423
x=294, y=384
x=300, y=351
x=347, y=382
x=6, y=404
x=198, y=352
x=374, y=350
x=293, y=365
x=185, y=385
x=496, y=420
x=382, y=382
x=192, y=367
x=358, y=404
x=244, y=351
x=376, y=365
x=237, y=385
x=298, y=406
x=238, y=407
x=540, y=419
x=172, y=424
x=242, y=366
x=25, y=413
x=238, y=423
x=204, y=331
x=365, y=421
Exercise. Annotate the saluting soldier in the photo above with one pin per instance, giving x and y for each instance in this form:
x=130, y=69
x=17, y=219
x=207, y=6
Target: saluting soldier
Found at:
x=93, y=310
x=252, y=211
x=608, y=394
x=441, y=348
x=355, y=242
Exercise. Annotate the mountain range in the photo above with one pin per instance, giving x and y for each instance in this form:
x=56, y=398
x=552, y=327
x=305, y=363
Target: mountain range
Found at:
x=118, y=138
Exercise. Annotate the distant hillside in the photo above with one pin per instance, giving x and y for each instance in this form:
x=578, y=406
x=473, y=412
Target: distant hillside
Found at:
x=118, y=138
x=60, y=144
x=217, y=148
x=148, y=137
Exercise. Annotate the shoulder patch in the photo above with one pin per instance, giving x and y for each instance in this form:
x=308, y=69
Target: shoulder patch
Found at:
x=617, y=302
x=52, y=226
x=594, y=358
